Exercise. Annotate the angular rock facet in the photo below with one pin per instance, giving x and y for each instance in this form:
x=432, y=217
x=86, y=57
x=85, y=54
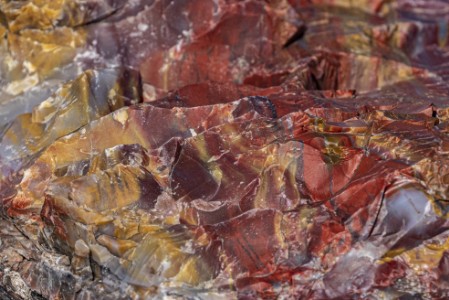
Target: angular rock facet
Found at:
x=283, y=149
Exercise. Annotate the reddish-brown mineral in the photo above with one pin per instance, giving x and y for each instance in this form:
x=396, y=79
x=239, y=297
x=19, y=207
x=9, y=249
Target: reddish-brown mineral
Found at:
x=223, y=149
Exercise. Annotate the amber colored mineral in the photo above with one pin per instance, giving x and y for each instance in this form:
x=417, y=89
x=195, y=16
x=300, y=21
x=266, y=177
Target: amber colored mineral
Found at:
x=224, y=149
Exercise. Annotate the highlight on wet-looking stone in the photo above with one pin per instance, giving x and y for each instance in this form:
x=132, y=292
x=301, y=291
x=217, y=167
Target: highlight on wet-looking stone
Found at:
x=224, y=149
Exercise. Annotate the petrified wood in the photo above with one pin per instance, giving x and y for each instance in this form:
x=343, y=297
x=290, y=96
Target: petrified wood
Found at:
x=222, y=149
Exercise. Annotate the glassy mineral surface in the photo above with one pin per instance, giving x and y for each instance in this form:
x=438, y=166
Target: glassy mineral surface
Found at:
x=224, y=149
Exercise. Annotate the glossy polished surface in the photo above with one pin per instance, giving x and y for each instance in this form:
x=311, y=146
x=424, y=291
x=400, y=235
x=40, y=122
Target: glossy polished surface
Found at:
x=224, y=149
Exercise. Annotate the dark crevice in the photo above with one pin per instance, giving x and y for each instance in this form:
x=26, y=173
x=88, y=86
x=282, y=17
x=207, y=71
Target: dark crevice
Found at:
x=36, y=296
x=434, y=113
x=315, y=82
x=4, y=20
x=100, y=18
x=299, y=34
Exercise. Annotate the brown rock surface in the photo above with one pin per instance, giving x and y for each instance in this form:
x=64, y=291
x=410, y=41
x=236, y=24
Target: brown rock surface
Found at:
x=224, y=149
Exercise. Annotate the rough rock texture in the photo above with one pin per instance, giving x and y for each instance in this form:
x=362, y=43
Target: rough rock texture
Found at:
x=221, y=149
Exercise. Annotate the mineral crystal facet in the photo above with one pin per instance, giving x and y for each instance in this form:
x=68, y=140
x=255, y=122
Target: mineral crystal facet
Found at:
x=224, y=149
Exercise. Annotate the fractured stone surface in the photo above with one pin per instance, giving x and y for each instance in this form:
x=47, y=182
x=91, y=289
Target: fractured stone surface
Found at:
x=224, y=149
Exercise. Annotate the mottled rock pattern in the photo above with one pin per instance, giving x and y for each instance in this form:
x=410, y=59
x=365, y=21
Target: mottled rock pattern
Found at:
x=224, y=149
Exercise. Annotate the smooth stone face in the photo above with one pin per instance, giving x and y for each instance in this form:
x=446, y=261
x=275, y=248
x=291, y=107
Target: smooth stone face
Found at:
x=81, y=248
x=100, y=254
x=224, y=149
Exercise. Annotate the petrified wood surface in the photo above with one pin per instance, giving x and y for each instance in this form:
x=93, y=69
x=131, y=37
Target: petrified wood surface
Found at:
x=221, y=149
